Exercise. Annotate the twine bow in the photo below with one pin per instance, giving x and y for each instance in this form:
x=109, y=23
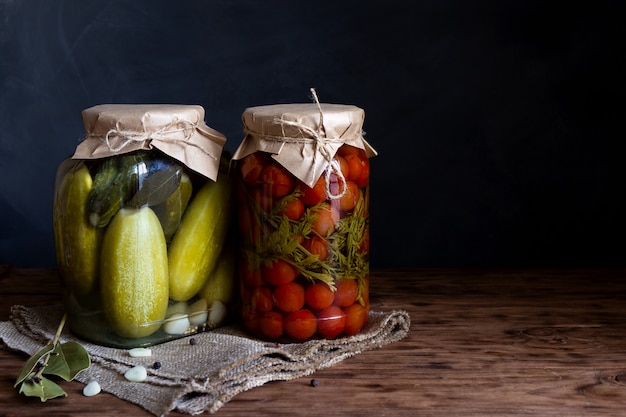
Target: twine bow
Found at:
x=168, y=133
x=319, y=139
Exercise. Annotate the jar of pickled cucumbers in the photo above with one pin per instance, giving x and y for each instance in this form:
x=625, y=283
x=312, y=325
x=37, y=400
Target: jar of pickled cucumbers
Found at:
x=302, y=175
x=142, y=226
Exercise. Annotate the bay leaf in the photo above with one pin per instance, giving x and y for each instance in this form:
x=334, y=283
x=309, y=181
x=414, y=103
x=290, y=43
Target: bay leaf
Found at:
x=67, y=360
x=76, y=356
x=156, y=187
x=45, y=389
x=30, y=364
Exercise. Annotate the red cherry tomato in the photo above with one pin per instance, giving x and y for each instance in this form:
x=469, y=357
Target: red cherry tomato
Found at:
x=261, y=299
x=350, y=197
x=251, y=167
x=279, y=273
x=347, y=150
x=365, y=172
x=315, y=195
x=343, y=165
x=346, y=293
x=358, y=162
x=250, y=277
x=355, y=165
x=356, y=318
x=301, y=324
x=294, y=209
x=277, y=180
x=326, y=220
x=316, y=246
x=289, y=297
x=319, y=296
x=271, y=325
x=330, y=322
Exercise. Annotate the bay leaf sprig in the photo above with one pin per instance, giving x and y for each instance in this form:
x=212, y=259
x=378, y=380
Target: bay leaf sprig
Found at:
x=156, y=185
x=63, y=360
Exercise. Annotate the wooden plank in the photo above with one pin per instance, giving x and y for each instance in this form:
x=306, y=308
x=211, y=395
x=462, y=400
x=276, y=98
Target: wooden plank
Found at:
x=482, y=343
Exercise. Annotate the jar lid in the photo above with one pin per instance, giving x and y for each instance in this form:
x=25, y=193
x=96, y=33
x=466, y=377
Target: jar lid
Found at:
x=303, y=137
x=177, y=130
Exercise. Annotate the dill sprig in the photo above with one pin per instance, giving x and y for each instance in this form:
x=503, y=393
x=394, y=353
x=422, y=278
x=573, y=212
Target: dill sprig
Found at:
x=282, y=239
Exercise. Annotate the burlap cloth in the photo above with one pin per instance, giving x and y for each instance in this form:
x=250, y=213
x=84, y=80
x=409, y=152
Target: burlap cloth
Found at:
x=200, y=377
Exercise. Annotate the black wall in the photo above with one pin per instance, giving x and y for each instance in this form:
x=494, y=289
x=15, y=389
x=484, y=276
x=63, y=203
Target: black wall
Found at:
x=499, y=124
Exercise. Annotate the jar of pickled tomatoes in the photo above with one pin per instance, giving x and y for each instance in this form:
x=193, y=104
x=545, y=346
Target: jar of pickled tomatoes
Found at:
x=302, y=174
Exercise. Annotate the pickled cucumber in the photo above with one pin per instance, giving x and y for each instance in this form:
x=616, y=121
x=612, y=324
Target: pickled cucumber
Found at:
x=135, y=179
x=196, y=246
x=221, y=282
x=109, y=190
x=170, y=212
x=77, y=242
x=133, y=272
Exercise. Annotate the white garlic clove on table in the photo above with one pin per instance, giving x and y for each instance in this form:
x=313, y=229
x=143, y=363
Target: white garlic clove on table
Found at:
x=140, y=352
x=91, y=389
x=136, y=374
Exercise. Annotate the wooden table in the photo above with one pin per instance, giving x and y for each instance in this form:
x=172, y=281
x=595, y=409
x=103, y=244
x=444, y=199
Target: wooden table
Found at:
x=482, y=342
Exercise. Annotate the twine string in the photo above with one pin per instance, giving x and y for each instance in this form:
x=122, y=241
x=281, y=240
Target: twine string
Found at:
x=319, y=140
x=333, y=165
x=166, y=133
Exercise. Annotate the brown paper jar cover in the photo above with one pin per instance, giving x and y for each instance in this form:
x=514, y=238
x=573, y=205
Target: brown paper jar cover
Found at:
x=303, y=137
x=177, y=130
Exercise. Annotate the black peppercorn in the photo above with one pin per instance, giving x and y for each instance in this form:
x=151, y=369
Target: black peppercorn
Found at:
x=156, y=365
x=314, y=382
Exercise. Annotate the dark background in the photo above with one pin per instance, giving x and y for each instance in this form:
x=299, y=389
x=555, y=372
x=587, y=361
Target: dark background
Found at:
x=499, y=124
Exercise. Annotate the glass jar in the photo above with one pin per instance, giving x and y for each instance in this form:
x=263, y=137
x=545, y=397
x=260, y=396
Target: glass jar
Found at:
x=302, y=175
x=141, y=226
